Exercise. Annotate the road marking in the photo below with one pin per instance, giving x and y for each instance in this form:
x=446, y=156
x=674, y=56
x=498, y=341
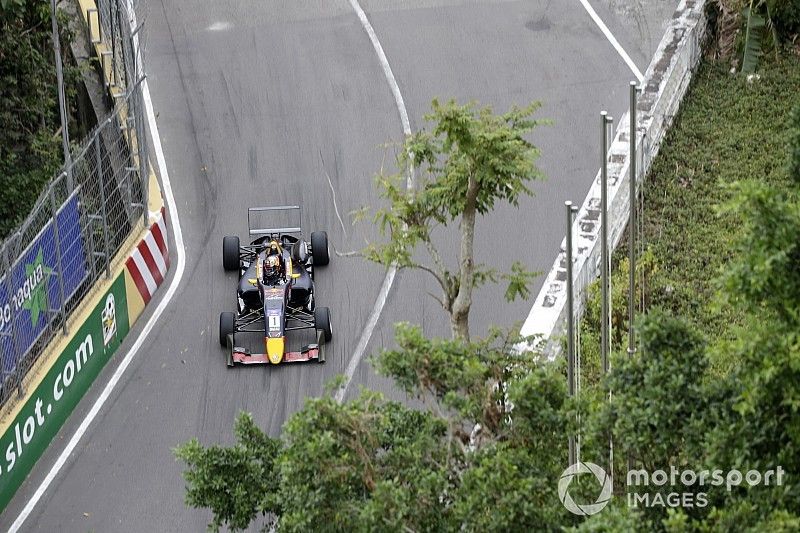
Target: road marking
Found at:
x=613, y=40
x=388, y=280
x=387, y=71
x=219, y=26
x=352, y=365
x=179, y=268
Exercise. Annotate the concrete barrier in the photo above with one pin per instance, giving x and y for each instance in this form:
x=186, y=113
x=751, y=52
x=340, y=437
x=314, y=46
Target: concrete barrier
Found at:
x=664, y=85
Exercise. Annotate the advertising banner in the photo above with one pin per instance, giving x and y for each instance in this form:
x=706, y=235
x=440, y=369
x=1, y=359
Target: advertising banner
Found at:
x=34, y=291
x=48, y=407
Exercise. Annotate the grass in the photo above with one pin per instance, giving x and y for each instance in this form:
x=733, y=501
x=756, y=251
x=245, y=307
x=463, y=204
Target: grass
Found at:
x=728, y=129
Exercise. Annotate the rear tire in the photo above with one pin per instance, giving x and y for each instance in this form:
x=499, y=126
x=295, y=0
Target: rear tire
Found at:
x=227, y=323
x=322, y=322
x=230, y=253
x=319, y=248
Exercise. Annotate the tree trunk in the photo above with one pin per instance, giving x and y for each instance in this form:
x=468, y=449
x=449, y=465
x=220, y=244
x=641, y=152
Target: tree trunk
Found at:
x=459, y=314
x=459, y=326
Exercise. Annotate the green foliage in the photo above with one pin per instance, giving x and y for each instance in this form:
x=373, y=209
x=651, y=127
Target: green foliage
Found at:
x=764, y=275
x=366, y=465
x=30, y=142
x=688, y=238
x=767, y=23
x=471, y=160
x=617, y=516
x=656, y=428
x=235, y=483
x=456, y=373
x=755, y=33
x=793, y=167
x=469, y=463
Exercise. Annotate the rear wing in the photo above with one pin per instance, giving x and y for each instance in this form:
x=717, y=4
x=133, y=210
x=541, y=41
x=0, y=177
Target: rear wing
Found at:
x=257, y=219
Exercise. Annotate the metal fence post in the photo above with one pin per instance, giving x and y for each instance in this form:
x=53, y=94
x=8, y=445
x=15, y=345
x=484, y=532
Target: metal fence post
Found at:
x=62, y=107
x=605, y=121
x=62, y=302
x=605, y=339
x=570, y=326
x=104, y=216
x=632, y=228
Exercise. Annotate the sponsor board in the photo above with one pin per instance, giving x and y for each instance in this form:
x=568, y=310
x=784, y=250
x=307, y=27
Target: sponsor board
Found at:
x=48, y=407
x=33, y=290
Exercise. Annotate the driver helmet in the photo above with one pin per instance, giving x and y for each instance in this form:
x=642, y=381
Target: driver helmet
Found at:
x=272, y=267
x=274, y=249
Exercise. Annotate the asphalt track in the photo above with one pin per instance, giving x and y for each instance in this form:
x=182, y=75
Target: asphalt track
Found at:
x=270, y=103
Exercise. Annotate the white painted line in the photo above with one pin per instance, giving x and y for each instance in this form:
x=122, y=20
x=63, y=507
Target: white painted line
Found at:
x=352, y=365
x=613, y=40
x=388, y=280
x=162, y=305
x=220, y=26
x=387, y=70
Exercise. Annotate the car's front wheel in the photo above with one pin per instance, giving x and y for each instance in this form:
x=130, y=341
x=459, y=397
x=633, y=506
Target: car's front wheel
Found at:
x=322, y=322
x=227, y=323
x=230, y=253
x=319, y=248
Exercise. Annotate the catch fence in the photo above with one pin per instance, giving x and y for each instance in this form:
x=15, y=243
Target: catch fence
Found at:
x=83, y=217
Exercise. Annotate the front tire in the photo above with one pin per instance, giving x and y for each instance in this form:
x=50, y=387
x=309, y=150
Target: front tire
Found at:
x=230, y=253
x=319, y=248
x=227, y=323
x=322, y=322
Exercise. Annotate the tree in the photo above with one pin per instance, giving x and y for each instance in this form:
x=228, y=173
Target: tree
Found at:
x=659, y=397
x=469, y=161
x=376, y=465
x=236, y=483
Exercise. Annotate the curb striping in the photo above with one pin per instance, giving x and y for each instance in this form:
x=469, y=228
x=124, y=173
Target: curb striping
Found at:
x=149, y=261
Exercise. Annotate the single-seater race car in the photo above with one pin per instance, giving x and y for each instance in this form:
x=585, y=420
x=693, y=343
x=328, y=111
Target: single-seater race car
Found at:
x=276, y=290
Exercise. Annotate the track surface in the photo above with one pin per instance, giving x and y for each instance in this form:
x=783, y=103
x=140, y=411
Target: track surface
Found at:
x=264, y=104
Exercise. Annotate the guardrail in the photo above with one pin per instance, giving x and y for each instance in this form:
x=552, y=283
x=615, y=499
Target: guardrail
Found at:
x=665, y=82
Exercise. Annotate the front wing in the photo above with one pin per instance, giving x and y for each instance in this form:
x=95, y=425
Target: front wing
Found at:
x=242, y=356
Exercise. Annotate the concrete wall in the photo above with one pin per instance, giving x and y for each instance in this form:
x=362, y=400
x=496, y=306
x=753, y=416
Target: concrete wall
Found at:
x=665, y=82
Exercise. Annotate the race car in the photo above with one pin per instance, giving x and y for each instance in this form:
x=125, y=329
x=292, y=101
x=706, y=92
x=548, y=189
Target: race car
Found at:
x=276, y=291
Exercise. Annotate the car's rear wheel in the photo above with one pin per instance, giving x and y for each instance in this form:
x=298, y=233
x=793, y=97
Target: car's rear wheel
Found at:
x=230, y=253
x=322, y=322
x=227, y=323
x=319, y=248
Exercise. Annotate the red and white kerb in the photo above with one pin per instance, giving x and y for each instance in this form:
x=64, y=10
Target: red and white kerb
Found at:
x=149, y=261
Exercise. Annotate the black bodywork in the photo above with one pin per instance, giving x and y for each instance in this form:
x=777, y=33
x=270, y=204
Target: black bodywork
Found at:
x=273, y=303
x=300, y=289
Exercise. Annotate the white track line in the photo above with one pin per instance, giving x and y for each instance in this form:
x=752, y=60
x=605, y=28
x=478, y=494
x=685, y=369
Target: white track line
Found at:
x=613, y=40
x=173, y=286
x=380, y=302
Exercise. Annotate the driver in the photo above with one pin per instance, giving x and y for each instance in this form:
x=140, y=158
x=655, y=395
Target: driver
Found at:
x=272, y=269
x=273, y=264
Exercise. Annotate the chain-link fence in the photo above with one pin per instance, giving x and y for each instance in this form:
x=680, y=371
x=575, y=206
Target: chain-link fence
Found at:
x=79, y=222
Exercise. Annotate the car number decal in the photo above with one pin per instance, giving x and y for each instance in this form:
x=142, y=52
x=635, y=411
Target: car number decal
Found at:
x=274, y=320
